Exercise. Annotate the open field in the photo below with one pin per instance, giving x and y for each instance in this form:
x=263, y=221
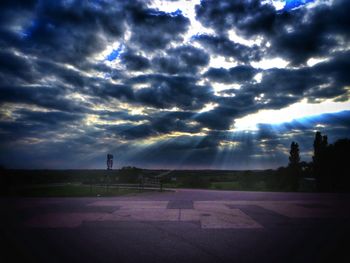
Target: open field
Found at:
x=267, y=180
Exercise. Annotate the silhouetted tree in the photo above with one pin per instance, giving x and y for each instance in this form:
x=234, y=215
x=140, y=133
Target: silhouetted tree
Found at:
x=320, y=167
x=306, y=169
x=294, y=158
x=294, y=168
x=317, y=159
x=324, y=143
x=320, y=145
x=317, y=146
x=330, y=164
x=338, y=156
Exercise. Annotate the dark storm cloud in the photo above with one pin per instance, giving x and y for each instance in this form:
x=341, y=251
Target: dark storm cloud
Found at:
x=48, y=97
x=37, y=125
x=296, y=34
x=229, y=108
x=251, y=16
x=181, y=60
x=278, y=87
x=301, y=45
x=235, y=74
x=14, y=67
x=19, y=4
x=159, y=123
x=131, y=132
x=288, y=81
x=167, y=122
x=66, y=31
x=20, y=71
x=14, y=131
x=72, y=31
x=335, y=78
x=134, y=62
x=221, y=45
x=214, y=120
x=315, y=35
x=284, y=86
x=163, y=91
x=119, y=115
x=14, y=13
x=117, y=91
x=50, y=118
x=153, y=29
x=61, y=74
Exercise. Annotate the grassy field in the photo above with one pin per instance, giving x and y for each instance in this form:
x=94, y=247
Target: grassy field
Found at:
x=257, y=186
x=68, y=190
x=226, y=185
x=261, y=180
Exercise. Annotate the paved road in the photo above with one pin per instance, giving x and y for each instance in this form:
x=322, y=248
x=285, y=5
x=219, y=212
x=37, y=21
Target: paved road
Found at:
x=182, y=226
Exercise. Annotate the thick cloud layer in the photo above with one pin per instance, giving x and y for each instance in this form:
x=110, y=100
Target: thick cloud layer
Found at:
x=160, y=88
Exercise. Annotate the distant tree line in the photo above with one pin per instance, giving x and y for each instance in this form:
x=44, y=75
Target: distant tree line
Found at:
x=329, y=167
x=327, y=172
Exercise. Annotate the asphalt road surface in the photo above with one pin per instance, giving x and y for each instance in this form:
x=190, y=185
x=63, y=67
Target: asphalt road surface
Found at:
x=182, y=226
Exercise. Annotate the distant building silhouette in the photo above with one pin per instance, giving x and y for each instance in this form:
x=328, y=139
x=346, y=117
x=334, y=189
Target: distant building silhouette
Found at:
x=109, y=161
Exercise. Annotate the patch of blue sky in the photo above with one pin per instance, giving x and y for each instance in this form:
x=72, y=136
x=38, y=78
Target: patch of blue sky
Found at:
x=176, y=13
x=196, y=36
x=156, y=12
x=115, y=53
x=291, y=4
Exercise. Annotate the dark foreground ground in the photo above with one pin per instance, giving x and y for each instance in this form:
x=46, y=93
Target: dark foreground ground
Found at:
x=182, y=226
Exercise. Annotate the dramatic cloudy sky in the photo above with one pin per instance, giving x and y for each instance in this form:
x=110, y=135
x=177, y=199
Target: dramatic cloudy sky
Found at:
x=171, y=84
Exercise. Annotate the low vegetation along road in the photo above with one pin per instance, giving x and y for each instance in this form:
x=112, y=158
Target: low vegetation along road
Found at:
x=182, y=226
